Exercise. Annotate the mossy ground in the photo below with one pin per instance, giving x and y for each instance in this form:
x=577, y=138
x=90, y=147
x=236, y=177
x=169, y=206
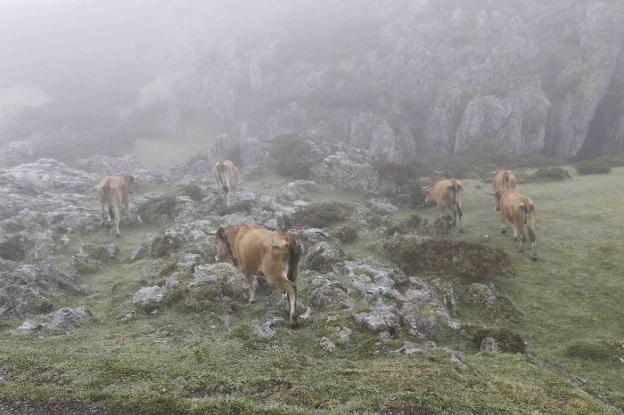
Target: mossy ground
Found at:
x=183, y=361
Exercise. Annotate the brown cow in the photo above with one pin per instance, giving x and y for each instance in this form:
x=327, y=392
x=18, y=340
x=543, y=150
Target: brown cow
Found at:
x=113, y=191
x=259, y=251
x=503, y=180
x=448, y=194
x=226, y=174
x=519, y=211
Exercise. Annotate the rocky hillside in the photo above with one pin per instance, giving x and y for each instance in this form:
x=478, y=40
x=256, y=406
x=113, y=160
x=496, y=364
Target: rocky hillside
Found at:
x=401, y=313
x=400, y=79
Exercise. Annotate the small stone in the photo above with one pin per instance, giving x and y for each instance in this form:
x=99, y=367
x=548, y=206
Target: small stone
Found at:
x=327, y=345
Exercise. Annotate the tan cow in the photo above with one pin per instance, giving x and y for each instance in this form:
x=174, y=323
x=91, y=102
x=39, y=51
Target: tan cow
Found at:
x=113, y=191
x=226, y=174
x=259, y=251
x=448, y=194
x=519, y=211
x=503, y=180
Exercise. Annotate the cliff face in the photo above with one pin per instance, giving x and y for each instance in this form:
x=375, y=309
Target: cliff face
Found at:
x=399, y=78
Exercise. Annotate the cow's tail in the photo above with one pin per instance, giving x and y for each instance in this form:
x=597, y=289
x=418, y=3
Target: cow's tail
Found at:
x=456, y=189
x=293, y=258
x=527, y=209
x=506, y=178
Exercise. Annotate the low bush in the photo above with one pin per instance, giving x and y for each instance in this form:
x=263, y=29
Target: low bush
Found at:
x=613, y=160
x=548, y=174
x=596, y=351
x=346, y=233
x=294, y=155
x=592, y=167
x=507, y=341
x=320, y=215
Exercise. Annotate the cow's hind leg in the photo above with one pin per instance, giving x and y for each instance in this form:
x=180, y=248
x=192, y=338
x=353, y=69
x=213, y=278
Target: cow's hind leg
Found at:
x=502, y=226
x=520, y=236
x=103, y=211
x=117, y=216
x=251, y=286
x=291, y=292
x=531, y=232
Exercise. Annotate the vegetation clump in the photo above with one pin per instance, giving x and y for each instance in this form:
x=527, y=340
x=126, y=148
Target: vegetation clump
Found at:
x=507, y=341
x=294, y=156
x=548, y=174
x=347, y=233
x=320, y=215
x=595, y=351
x=461, y=261
x=592, y=167
x=154, y=210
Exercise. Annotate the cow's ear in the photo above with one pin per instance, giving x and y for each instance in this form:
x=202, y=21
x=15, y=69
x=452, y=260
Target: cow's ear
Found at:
x=523, y=207
x=221, y=232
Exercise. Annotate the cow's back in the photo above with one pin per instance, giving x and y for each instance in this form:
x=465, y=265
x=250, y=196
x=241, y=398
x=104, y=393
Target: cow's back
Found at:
x=251, y=246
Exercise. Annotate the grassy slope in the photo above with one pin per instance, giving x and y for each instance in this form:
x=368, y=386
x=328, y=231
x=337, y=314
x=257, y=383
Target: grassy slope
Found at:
x=573, y=294
x=183, y=359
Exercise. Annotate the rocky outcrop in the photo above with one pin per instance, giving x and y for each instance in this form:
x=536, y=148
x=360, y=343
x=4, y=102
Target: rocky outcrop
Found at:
x=31, y=288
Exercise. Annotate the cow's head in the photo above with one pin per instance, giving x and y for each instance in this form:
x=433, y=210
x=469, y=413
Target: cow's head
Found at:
x=428, y=191
x=222, y=245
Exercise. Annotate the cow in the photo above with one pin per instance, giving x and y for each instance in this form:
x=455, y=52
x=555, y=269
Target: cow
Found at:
x=503, y=180
x=226, y=174
x=256, y=250
x=519, y=211
x=448, y=194
x=113, y=192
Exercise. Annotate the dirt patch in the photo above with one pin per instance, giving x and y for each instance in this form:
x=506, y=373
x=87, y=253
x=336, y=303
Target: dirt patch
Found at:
x=25, y=407
x=459, y=261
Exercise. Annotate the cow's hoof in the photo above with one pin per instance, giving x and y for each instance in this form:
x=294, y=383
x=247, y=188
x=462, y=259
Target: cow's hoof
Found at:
x=461, y=230
x=515, y=238
x=534, y=257
x=117, y=236
x=503, y=231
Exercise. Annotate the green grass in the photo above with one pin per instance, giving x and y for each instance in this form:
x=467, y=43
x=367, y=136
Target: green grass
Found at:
x=186, y=360
x=573, y=293
x=154, y=151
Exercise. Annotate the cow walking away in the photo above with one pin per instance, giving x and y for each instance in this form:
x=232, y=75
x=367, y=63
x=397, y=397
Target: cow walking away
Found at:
x=226, y=174
x=519, y=211
x=113, y=192
x=448, y=195
x=258, y=251
x=503, y=180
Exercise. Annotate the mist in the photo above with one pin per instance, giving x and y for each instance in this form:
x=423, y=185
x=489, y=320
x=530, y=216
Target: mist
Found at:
x=311, y=206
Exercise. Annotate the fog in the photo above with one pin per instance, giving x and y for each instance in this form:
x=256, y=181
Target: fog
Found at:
x=400, y=79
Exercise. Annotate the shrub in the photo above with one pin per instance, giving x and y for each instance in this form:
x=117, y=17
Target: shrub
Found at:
x=346, y=233
x=596, y=351
x=294, y=155
x=613, y=160
x=508, y=342
x=320, y=215
x=548, y=174
x=592, y=167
